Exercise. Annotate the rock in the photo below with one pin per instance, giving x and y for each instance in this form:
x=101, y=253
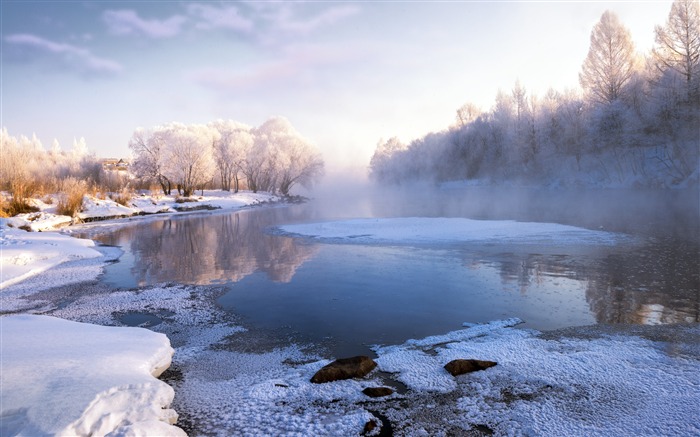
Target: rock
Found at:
x=344, y=368
x=369, y=427
x=460, y=367
x=378, y=392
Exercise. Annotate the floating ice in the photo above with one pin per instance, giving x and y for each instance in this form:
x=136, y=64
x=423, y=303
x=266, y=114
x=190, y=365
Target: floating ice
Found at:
x=446, y=230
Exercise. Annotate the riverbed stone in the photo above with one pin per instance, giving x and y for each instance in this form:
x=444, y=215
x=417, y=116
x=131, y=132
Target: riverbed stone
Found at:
x=344, y=368
x=378, y=392
x=461, y=366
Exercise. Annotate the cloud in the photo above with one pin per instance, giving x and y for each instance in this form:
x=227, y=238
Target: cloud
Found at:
x=268, y=22
x=128, y=22
x=286, y=21
x=69, y=56
x=226, y=17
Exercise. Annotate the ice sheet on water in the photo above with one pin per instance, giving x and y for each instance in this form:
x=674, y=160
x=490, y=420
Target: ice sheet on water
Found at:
x=446, y=230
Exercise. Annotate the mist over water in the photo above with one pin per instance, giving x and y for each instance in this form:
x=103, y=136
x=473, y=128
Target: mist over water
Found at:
x=348, y=296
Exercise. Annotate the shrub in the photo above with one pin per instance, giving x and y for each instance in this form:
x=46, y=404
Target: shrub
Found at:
x=123, y=197
x=71, y=196
x=10, y=207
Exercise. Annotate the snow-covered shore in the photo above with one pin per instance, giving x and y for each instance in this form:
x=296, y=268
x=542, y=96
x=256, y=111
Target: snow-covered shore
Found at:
x=94, y=208
x=67, y=378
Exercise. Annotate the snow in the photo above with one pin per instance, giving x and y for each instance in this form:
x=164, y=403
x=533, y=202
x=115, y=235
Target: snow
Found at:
x=67, y=378
x=446, y=230
x=605, y=385
x=25, y=254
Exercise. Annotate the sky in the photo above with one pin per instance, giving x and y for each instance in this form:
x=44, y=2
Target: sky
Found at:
x=346, y=74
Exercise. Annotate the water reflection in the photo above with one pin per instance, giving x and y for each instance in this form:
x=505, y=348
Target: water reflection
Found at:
x=201, y=250
x=359, y=294
x=657, y=283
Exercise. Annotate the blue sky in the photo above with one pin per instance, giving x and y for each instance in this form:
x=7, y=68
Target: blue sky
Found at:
x=344, y=73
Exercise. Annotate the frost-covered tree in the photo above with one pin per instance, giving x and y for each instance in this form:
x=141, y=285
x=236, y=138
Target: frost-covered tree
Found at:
x=281, y=158
x=301, y=164
x=467, y=113
x=230, y=151
x=188, y=156
x=678, y=44
x=384, y=164
x=148, y=149
x=611, y=60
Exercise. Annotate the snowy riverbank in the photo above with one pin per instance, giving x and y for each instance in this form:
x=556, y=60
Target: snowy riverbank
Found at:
x=66, y=378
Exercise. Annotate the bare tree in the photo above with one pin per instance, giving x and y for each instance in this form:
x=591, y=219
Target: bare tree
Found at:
x=611, y=60
x=678, y=44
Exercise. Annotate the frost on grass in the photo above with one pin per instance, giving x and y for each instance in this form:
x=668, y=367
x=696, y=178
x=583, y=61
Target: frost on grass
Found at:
x=66, y=378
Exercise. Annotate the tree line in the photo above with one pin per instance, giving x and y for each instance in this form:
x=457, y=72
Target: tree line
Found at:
x=28, y=169
x=635, y=120
x=273, y=157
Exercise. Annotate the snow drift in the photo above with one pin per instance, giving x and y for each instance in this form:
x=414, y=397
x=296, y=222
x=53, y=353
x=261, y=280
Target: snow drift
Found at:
x=67, y=378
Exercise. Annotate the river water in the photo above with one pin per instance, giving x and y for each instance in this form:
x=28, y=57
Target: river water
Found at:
x=349, y=296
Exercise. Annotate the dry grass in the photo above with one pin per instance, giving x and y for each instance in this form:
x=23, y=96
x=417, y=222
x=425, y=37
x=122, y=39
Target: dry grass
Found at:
x=10, y=207
x=71, y=197
x=123, y=197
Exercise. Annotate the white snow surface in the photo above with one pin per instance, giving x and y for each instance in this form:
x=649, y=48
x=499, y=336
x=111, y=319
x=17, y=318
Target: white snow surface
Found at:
x=446, y=230
x=67, y=378
x=25, y=254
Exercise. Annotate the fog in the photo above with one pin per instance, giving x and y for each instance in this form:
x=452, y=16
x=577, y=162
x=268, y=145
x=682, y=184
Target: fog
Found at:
x=664, y=213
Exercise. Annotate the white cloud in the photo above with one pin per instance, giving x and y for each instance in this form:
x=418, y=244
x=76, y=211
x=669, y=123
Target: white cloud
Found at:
x=226, y=17
x=72, y=57
x=128, y=22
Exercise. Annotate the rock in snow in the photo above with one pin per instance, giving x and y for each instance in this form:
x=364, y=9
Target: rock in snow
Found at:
x=461, y=366
x=344, y=368
x=67, y=378
x=378, y=392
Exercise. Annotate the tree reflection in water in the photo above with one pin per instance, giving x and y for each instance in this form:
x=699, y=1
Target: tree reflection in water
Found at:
x=548, y=286
x=211, y=249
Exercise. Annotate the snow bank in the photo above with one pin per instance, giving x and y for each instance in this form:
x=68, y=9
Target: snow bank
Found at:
x=602, y=385
x=67, y=378
x=25, y=254
x=445, y=230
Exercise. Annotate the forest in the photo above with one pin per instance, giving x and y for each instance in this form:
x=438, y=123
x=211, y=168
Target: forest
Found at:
x=634, y=123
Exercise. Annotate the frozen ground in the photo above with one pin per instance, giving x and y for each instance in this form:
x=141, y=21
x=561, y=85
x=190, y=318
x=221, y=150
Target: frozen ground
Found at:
x=67, y=378
x=442, y=230
x=229, y=381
